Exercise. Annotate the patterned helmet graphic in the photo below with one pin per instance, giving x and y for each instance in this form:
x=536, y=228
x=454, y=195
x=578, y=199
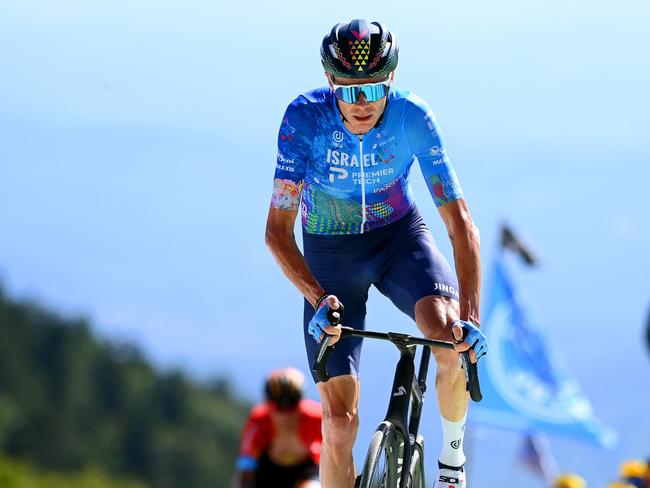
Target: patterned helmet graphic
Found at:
x=359, y=50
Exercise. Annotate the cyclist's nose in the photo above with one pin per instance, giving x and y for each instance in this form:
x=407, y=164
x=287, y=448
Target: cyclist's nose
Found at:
x=362, y=100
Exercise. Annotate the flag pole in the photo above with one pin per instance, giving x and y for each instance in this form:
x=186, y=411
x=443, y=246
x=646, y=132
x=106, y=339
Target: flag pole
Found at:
x=547, y=461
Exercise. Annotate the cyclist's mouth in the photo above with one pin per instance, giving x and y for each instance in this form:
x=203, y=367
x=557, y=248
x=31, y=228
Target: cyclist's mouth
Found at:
x=363, y=118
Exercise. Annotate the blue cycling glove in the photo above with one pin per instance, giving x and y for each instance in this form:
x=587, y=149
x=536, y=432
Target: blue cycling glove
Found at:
x=473, y=335
x=321, y=319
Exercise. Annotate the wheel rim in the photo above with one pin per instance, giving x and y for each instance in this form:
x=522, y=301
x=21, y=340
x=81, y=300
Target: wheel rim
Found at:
x=380, y=474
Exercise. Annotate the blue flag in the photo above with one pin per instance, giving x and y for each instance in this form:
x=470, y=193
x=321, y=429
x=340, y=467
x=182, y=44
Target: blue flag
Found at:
x=525, y=386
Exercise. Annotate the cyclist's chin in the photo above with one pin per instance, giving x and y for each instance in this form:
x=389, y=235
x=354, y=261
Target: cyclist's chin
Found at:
x=362, y=124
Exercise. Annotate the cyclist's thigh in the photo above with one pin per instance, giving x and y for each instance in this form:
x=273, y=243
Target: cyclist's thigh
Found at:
x=339, y=267
x=415, y=268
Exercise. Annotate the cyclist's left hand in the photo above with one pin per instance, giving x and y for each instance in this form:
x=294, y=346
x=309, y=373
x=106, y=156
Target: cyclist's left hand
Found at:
x=475, y=340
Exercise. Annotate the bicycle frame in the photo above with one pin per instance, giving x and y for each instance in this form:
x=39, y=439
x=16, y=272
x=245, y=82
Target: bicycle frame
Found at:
x=408, y=390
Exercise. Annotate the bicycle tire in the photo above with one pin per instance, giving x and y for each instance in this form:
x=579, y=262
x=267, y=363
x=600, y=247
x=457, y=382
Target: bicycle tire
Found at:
x=381, y=468
x=416, y=470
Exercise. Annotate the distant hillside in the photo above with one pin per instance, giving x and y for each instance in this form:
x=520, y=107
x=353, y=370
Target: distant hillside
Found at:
x=69, y=402
x=14, y=474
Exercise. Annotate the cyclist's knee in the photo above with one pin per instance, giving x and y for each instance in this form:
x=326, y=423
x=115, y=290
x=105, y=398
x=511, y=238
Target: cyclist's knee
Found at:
x=340, y=429
x=435, y=315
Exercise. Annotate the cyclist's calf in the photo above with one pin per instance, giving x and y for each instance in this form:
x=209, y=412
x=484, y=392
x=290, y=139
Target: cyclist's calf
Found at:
x=340, y=400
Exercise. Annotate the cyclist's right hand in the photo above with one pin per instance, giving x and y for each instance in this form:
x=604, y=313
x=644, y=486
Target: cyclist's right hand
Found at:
x=321, y=324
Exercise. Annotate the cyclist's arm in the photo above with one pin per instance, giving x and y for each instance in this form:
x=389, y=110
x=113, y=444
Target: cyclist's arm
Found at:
x=425, y=140
x=294, y=143
x=281, y=241
x=465, y=240
x=254, y=440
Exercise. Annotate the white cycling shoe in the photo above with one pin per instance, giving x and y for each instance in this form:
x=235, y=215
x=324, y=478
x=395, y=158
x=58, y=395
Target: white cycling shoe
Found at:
x=449, y=477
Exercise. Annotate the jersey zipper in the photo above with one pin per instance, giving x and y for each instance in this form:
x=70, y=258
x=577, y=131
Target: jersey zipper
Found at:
x=363, y=185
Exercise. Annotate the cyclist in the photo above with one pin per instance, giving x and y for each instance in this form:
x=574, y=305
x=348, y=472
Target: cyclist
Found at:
x=345, y=153
x=281, y=441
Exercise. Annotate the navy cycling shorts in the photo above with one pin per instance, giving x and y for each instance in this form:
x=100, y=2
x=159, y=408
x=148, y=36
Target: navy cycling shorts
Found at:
x=402, y=261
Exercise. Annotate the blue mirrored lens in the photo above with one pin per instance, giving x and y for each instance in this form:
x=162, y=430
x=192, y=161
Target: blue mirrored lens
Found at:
x=350, y=94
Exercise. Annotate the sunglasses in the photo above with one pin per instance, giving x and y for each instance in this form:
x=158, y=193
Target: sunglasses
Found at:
x=372, y=91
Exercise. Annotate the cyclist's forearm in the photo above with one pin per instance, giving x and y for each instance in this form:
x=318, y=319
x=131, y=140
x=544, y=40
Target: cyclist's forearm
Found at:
x=293, y=265
x=467, y=258
x=465, y=240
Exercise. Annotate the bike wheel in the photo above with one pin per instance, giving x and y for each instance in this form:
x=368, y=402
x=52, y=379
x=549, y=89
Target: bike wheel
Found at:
x=381, y=469
x=416, y=470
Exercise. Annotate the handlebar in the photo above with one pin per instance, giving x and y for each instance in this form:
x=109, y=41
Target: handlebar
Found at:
x=324, y=350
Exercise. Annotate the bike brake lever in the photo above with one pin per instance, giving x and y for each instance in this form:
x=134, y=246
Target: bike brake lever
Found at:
x=324, y=349
x=320, y=363
x=471, y=377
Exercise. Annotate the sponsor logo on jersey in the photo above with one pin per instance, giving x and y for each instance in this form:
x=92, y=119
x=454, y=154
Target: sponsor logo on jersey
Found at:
x=385, y=187
x=386, y=141
x=337, y=135
x=285, y=164
x=445, y=288
x=338, y=174
x=371, y=177
x=340, y=158
x=283, y=159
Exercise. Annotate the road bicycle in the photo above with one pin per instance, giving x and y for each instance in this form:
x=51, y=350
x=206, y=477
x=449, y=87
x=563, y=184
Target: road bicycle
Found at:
x=388, y=453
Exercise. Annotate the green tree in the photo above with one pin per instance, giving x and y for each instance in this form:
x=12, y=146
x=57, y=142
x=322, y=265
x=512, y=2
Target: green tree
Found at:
x=69, y=402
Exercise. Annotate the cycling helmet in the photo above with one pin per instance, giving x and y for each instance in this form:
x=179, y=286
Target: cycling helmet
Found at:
x=359, y=50
x=284, y=387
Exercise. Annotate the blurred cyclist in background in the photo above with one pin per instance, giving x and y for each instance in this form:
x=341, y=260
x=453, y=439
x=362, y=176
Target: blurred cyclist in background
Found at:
x=281, y=441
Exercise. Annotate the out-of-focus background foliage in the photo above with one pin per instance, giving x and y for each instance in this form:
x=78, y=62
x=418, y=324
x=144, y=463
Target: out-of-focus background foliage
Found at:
x=99, y=413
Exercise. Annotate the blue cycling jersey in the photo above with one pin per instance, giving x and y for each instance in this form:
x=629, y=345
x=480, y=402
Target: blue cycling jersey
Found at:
x=345, y=183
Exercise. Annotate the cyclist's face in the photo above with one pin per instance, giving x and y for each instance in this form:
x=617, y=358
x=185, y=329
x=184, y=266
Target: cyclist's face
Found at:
x=361, y=116
x=284, y=417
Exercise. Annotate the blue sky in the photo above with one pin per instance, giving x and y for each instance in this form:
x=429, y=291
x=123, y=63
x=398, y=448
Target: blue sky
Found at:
x=137, y=146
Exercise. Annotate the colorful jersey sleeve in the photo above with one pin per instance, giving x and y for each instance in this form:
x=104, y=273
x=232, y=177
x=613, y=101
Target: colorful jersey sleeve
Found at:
x=423, y=135
x=255, y=439
x=293, y=152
